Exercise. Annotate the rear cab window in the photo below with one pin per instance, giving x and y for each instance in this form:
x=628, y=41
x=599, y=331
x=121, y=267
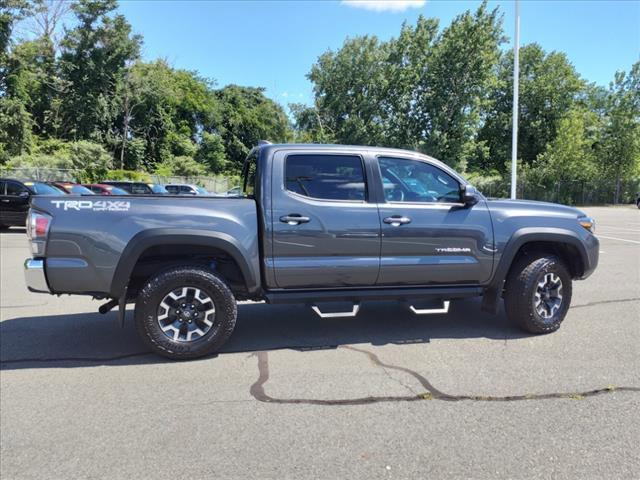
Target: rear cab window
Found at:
x=326, y=176
x=250, y=175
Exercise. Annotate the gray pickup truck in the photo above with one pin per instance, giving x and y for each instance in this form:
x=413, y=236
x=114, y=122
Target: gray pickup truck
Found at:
x=324, y=225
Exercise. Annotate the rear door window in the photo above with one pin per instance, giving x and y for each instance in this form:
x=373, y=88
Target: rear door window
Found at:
x=326, y=177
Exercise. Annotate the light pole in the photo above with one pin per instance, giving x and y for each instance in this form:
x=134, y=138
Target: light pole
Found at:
x=516, y=76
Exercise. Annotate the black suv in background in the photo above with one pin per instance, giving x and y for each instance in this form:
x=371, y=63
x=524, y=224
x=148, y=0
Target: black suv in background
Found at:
x=138, y=188
x=14, y=200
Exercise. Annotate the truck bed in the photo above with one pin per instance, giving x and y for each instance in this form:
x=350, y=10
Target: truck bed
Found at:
x=90, y=236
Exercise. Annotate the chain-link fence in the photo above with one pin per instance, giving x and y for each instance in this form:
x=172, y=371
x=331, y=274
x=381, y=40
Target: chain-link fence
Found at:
x=567, y=192
x=218, y=184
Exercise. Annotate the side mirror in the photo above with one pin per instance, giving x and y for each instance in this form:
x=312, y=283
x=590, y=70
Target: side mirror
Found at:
x=469, y=195
x=24, y=194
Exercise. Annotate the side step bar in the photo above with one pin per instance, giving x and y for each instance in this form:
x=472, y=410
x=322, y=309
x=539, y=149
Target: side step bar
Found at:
x=431, y=311
x=354, y=311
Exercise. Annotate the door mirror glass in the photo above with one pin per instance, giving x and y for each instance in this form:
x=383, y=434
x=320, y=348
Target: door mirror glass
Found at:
x=23, y=194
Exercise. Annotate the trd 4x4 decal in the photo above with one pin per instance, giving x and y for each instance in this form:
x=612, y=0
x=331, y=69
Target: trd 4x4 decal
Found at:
x=93, y=205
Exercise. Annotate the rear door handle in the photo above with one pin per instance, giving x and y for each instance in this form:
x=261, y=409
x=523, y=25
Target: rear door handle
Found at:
x=397, y=220
x=294, y=219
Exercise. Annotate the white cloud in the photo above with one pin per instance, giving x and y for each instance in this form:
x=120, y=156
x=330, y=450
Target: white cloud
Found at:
x=385, y=5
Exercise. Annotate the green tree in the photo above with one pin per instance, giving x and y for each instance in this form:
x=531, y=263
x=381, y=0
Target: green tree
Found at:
x=621, y=133
x=247, y=116
x=167, y=109
x=15, y=128
x=211, y=153
x=180, y=166
x=308, y=126
x=571, y=155
x=92, y=159
x=549, y=88
x=423, y=90
x=454, y=87
x=11, y=12
x=348, y=86
x=93, y=60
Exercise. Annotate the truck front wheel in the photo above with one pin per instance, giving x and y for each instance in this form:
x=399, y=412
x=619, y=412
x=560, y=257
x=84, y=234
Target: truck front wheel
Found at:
x=538, y=293
x=185, y=312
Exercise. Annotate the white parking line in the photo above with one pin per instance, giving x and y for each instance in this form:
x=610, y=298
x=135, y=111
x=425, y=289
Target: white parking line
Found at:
x=619, y=239
x=617, y=228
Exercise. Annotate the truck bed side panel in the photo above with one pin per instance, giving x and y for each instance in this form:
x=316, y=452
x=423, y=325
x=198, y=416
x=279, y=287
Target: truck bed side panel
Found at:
x=88, y=236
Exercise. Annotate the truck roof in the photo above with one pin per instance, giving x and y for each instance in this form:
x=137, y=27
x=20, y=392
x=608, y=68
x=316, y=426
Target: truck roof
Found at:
x=269, y=147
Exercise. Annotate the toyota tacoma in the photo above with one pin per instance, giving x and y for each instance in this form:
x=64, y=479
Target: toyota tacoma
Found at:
x=322, y=225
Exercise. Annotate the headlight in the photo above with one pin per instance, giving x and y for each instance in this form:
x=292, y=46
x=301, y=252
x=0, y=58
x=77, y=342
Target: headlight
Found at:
x=588, y=223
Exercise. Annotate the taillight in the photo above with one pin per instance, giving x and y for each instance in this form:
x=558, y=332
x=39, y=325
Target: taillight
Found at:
x=42, y=226
x=37, y=230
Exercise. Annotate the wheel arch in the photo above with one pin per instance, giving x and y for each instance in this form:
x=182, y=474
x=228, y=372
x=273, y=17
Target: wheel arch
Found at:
x=149, y=239
x=563, y=242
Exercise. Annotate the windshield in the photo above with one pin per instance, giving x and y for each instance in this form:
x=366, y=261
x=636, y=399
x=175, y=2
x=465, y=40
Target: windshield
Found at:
x=79, y=190
x=117, y=191
x=157, y=188
x=202, y=191
x=43, y=189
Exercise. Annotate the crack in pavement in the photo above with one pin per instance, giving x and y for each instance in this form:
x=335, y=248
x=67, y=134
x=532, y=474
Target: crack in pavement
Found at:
x=257, y=390
x=601, y=302
x=74, y=359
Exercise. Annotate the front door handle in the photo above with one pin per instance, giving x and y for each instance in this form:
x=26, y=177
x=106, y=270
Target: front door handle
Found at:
x=397, y=220
x=294, y=219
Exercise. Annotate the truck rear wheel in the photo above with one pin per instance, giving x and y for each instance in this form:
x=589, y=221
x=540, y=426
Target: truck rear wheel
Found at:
x=538, y=293
x=185, y=312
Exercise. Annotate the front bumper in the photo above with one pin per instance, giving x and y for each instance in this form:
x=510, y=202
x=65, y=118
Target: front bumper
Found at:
x=592, y=247
x=34, y=275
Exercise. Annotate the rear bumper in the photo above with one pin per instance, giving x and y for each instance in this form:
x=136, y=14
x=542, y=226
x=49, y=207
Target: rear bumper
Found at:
x=34, y=275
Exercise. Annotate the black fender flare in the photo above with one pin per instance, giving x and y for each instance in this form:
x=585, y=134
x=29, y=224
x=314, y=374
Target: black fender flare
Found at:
x=168, y=236
x=521, y=237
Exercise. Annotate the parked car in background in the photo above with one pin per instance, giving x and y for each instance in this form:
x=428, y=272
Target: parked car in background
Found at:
x=71, y=188
x=234, y=192
x=638, y=200
x=14, y=199
x=185, y=189
x=101, y=189
x=134, y=188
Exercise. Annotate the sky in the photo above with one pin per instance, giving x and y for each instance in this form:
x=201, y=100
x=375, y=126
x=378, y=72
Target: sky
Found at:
x=273, y=44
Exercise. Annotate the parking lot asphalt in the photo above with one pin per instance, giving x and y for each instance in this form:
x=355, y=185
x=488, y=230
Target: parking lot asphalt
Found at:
x=384, y=395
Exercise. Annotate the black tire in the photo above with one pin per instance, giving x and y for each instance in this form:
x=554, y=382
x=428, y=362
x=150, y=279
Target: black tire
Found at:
x=156, y=290
x=520, y=293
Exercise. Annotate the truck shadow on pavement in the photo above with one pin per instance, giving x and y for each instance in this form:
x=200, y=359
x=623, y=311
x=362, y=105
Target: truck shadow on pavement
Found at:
x=91, y=339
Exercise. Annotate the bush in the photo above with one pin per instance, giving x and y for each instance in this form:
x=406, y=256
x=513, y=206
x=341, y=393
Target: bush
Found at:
x=92, y=159
x=180, y=166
